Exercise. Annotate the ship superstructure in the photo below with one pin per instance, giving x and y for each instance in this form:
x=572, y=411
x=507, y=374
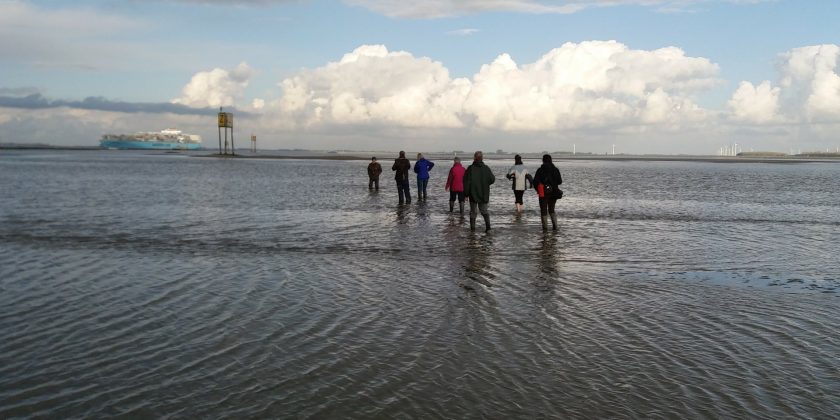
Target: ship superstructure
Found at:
x=167, y=139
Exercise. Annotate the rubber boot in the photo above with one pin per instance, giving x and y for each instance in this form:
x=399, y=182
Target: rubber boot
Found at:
x=486, y=222
x=451, y=206
x=472, y=224
x=461, y=206
x=553, y=221
x=544, y=222
x=425, y=196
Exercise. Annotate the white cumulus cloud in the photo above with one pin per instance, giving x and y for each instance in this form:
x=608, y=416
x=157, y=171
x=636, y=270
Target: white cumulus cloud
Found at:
x=217, y=87
x=373, y=85
x=808, y=90
x=810, y=74
x=593, y=83
x=590, y=84
x=755, y=104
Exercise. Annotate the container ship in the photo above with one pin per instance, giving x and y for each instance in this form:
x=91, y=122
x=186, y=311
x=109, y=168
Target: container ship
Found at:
x=169, y=139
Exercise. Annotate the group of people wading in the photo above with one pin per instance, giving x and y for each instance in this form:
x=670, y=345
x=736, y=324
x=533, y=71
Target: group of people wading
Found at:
x=473, y=183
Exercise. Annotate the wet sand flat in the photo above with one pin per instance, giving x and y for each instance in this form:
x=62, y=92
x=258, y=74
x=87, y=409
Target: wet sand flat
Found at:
x=160, y=285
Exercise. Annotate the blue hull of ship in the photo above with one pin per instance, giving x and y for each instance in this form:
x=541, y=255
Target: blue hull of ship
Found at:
x=147, y=145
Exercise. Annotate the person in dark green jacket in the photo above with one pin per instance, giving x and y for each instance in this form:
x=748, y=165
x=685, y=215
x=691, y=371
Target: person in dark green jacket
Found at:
x=477, y=180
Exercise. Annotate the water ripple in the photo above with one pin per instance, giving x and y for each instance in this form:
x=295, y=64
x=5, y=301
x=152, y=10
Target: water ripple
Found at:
x=203, y=288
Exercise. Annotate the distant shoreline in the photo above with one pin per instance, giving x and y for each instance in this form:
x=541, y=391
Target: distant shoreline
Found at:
x=302, y=157
x=45, y=147
x=386, y=156
x=527, y=156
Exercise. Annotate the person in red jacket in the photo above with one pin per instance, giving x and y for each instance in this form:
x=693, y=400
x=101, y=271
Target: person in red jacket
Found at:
x=455, y=185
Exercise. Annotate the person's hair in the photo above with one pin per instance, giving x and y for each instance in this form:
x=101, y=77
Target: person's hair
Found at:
x=402, y=154
x=517, y=159
x=478, y=155
x=373, y=158
x=457, y=159
x=547, y=158
x=419, y=155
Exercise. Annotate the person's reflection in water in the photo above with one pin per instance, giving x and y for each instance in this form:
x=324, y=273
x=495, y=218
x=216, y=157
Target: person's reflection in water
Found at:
x=477, y=267
x=549, y=272
x=422, y=215
x=402, y=215
x=401, y=231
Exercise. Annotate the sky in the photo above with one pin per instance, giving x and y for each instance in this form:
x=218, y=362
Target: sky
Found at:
x=643, y=76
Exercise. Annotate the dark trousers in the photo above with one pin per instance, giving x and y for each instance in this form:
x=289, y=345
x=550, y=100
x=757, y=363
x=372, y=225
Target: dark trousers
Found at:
x=373, y=181
x=518, y=196
x=421, y=186
x=404, y=191
x=547, y=206
x=456, y=194
x=482, y=208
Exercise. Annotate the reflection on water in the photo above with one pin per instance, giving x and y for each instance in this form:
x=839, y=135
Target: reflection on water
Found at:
x=478, y=268
x=402, y=214
x=548, y=256
x=144, y=285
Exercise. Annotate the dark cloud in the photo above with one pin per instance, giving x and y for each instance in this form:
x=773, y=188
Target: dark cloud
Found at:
x=18, y=91
x=98, y=103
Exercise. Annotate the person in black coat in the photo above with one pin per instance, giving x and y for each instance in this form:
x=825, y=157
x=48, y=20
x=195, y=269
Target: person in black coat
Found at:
x=401, y=168
x=547, y=181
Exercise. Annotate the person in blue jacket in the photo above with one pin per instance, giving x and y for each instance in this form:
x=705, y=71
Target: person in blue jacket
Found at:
x=422, y=168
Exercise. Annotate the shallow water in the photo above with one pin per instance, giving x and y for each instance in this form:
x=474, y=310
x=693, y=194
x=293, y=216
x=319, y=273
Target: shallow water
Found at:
x=163, y=285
